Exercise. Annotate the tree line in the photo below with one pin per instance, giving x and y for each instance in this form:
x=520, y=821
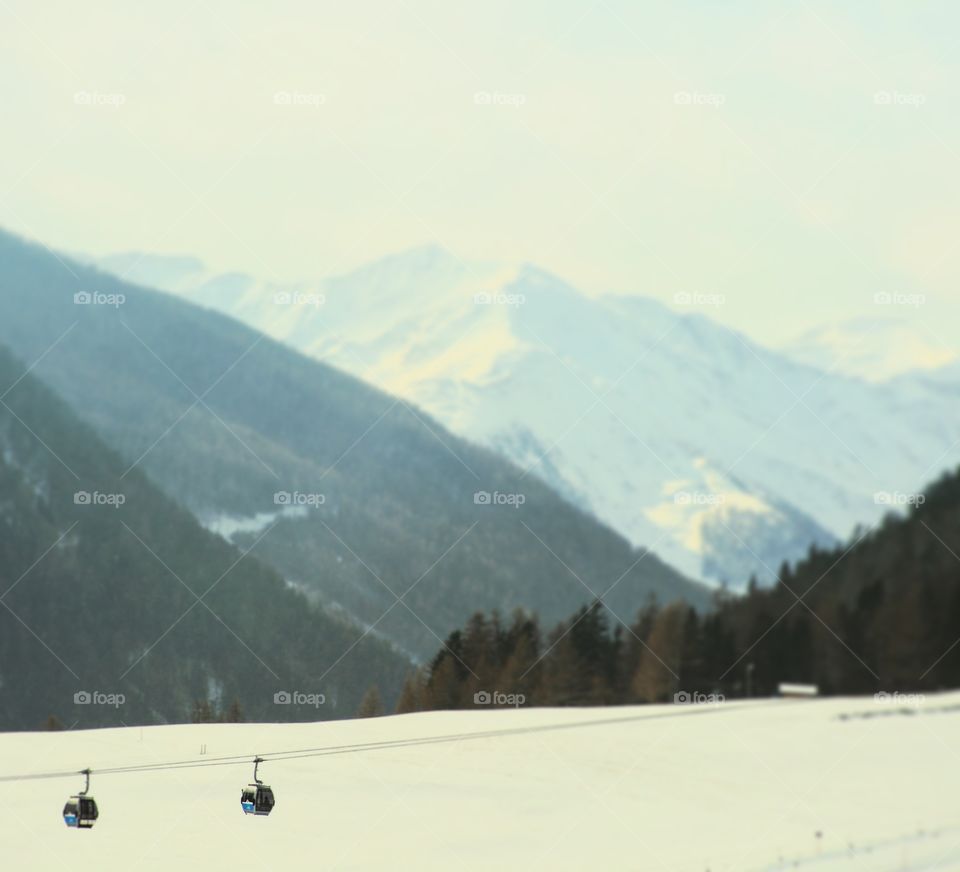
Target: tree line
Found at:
x=879, y=613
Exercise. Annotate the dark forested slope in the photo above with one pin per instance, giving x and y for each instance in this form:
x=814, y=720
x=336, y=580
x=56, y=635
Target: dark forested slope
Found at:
x=108, y=588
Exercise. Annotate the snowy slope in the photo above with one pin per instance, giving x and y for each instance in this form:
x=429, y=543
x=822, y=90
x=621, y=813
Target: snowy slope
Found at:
x=874, y=349
x=730, y=788
x=723, y=457
x=942, y=382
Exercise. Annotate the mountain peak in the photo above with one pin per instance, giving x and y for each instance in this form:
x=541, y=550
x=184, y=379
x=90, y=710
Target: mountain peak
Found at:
x=873, y=349
x=428, y=258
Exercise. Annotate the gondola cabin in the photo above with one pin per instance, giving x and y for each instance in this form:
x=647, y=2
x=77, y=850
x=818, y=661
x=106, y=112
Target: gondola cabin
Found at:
x=80, y=811
x=257, y=799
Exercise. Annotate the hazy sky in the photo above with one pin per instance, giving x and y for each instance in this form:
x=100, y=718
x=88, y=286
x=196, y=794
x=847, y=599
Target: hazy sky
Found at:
x=796, y=157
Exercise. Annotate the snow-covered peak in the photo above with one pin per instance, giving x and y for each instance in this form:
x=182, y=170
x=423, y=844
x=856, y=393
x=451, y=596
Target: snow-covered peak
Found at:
x=623, y=403
x=873, y=349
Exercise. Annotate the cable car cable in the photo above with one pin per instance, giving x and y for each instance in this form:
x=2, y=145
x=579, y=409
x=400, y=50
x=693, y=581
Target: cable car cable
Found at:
x=333, y=750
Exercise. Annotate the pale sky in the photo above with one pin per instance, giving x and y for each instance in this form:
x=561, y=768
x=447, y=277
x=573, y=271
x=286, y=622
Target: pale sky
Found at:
x=794, y=157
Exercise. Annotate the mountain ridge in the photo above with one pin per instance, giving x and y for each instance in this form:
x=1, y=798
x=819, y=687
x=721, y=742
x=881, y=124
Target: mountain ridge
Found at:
x=226, y=420
x=109, y=587
x=517, y=359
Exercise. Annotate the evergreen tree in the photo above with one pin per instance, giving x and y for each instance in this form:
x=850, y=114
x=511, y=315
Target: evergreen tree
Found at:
x=202, y=712
x=411, y=696
x=371, y=706
x=658, y=673
x=233, y=714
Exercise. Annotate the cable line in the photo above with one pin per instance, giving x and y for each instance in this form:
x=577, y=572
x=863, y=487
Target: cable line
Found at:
x=383, y=744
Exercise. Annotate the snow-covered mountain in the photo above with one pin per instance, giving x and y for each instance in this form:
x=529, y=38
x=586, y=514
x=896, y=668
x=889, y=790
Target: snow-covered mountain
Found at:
x=874, y=349
x=724, y=457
